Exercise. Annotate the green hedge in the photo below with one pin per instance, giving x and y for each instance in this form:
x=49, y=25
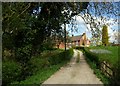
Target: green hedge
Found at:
x=51, y=59
x=98, y=58
x=12, y=71
x=47, y=63
x=92, y=56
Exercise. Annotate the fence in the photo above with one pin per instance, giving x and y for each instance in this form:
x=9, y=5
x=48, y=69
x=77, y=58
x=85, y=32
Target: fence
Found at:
x=108, y=71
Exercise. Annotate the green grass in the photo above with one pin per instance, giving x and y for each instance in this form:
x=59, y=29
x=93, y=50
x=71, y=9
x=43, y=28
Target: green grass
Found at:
x=111, y=58
x=98, y=72
x=45, y=66
x=41, y=75
x=78, y=58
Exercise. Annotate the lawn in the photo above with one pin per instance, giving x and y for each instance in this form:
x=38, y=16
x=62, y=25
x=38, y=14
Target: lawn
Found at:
x=112, y=57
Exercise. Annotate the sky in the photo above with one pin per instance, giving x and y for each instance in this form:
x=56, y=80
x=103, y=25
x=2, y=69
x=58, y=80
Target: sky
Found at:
x=82, y=28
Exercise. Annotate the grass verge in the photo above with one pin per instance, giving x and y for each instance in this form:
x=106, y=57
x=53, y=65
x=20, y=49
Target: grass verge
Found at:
x=78, y=58
x=42, y=73
x=98, y=72
x=95, y=59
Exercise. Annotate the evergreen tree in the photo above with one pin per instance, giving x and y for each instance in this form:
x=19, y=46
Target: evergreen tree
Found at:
x=105, y=35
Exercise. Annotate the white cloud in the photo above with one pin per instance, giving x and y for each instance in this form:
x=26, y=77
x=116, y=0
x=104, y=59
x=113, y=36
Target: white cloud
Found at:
x=83, y=27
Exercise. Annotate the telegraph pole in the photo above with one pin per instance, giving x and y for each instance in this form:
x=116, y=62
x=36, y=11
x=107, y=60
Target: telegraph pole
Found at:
x=65, y=35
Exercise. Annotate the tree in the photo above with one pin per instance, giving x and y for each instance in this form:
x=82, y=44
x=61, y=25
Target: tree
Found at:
x=27, y=25
x=105, y=35
x=99, y=13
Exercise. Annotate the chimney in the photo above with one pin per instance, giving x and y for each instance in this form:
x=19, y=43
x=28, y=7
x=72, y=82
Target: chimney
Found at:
x=84, y=33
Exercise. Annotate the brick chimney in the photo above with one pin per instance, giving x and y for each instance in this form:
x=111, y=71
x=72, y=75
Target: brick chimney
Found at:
x=84, y=33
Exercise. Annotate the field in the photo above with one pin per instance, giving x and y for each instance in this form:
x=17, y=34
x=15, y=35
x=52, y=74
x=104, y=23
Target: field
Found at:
x=112, y=57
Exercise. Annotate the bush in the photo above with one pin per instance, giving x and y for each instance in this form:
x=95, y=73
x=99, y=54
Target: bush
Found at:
x=55, y=59
x=116, y=77
x=92, y=56
x=46, y=59
x=10, y=72
x=112, y=59
x=23, y=54
x=35, y=64
x=58, y=58
x=78, y=58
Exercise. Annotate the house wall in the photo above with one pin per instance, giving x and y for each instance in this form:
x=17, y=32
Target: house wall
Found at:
x=82, y=40
x=62, y=45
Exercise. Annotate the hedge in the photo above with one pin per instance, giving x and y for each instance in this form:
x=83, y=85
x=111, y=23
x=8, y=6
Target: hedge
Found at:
x=97, y=59
x=10, y=72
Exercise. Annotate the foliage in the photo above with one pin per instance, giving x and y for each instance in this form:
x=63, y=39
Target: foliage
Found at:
x=40, y=76
x=14, y=72
x=98, y=73
x=78, y=58
x=26, y=32
x=96, y=41
x=105, y=35
x=92, y=56
x=31, y=24
x=112, y=58
x=44, y=66
x=23, y=54
x=11, y=71
x=98, y=14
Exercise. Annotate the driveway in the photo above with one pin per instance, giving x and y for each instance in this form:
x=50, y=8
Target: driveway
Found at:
x=74, y=73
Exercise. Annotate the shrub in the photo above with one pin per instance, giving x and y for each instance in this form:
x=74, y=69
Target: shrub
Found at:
x=78, y=58
x=47, y=59
x=63, y=56
x=92, y=56
x=112, y=59
x=23, y=54
x=55, y=59
x=36, y=63
x=42, y=67
x=68, y=54
x=10, y=72
x=116, y=76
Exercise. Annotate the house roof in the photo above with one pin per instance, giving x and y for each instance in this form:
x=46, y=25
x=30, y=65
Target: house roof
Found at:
x=74, y=38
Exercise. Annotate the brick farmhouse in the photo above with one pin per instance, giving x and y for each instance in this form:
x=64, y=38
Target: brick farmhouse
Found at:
x=80, y=40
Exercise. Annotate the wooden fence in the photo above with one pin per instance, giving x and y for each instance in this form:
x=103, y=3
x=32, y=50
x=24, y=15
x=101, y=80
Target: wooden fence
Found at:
x=108, y=71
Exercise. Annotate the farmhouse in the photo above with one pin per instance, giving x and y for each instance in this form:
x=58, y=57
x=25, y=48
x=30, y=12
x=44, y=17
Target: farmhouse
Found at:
x=80, y=40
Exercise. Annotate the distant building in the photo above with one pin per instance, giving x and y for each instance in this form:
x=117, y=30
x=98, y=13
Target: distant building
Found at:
x=80, y=40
